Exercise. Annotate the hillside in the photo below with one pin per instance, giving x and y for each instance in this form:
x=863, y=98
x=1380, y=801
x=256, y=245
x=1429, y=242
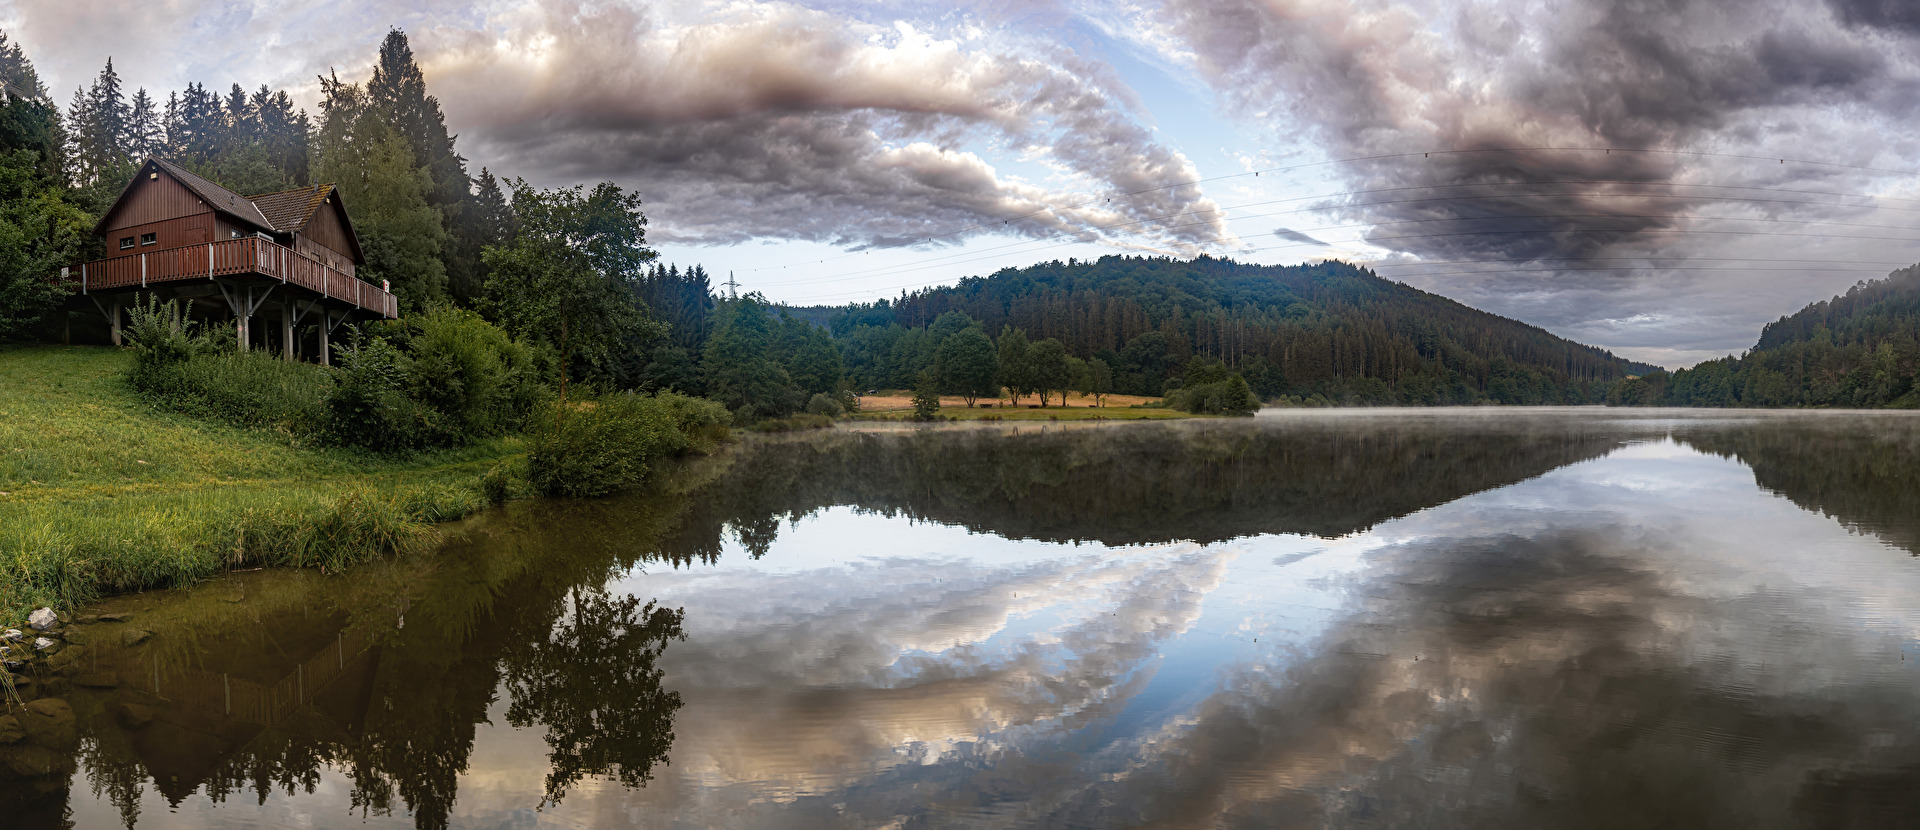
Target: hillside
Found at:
x=1857, y=350
x=1330, y=330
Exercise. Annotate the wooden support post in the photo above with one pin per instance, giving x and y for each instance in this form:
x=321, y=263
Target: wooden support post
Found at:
x=240, y=328
x=288, y=349
x=113, y=318
x=326, y=353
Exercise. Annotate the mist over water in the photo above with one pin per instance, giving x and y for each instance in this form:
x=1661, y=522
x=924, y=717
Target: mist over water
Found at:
x=1563, y=618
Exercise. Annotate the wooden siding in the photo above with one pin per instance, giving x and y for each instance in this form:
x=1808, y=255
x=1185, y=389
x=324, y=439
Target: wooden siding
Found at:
x=151, y=200
x=249, y=256
x=171, y=233
x=312, y=248
x=329, y=232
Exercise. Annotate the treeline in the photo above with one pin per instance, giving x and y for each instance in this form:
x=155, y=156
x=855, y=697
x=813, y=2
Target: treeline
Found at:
x=1326, y=333
x=1858, y=350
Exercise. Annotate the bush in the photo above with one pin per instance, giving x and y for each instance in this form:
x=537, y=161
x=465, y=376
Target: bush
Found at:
x=443, y=378
x=825, y=405
x=600, y=446
x=370, y=408
x=478, y=382
x=1231, y=396
x=181, y=366
x=926, y=399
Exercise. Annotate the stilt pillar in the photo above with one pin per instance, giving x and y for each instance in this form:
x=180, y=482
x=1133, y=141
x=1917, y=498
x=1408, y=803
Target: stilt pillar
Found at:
x=289, y=350
x=113, y=321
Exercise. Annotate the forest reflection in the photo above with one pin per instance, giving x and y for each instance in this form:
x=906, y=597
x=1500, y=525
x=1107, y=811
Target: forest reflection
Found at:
x=257, y=685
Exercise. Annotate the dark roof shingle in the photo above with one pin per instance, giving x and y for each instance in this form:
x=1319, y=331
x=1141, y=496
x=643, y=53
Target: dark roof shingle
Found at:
x=290, y=210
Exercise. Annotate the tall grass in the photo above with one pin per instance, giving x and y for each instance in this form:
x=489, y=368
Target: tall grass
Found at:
x=100, y=492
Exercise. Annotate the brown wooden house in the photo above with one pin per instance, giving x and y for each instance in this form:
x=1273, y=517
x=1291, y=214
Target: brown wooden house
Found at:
x=287, y=256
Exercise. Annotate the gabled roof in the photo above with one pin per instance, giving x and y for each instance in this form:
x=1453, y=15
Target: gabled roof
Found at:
x=216, y=197
x=291, y=210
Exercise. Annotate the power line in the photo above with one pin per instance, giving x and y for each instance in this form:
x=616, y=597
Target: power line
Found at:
x=963, y=257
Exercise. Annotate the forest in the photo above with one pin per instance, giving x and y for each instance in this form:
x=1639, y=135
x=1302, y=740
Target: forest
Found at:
x=1328, y=333
x=1859, y=350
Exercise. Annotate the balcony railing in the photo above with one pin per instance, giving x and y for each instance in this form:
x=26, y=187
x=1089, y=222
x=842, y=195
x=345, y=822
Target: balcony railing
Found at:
x=252, y=256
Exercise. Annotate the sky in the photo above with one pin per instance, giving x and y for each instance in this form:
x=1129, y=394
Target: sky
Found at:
x=1657, y=177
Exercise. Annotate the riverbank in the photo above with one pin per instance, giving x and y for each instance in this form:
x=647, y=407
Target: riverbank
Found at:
x=101, y=493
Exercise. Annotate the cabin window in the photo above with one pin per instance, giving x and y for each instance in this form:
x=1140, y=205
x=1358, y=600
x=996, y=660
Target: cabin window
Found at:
x=235, y=233
x=149, y=238
x=126, y=242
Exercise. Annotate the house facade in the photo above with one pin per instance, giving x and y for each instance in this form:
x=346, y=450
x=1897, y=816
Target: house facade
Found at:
x=289, y=257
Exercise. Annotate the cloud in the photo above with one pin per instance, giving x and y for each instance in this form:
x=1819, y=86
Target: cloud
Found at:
x=1295, y=236
x=776, y=121
x=1449, y=105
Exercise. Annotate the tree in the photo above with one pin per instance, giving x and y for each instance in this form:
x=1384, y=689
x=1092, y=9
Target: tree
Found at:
x=29, y=120
x=566, y=279
x=594, y=683
x=926, y=397
x=39, y=232
x=385, y=192
x=143, y=127
x=1051, y=371
x=1016, y=366
x=741, y=372
x=98, y=127
x=967, y=365
x=1099, y=379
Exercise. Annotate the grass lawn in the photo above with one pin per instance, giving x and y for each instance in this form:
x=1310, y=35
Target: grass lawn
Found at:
x=100, y=492
x=894, y=405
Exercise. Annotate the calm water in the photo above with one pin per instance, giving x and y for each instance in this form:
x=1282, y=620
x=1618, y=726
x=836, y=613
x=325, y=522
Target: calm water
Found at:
x=1353, y=619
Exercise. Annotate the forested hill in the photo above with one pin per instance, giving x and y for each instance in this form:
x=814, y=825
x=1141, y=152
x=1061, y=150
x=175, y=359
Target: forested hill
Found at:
x=1330, y=330
x=1857, y=350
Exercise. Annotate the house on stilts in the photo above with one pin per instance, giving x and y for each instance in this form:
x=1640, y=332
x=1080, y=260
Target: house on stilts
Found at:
x=286, y=257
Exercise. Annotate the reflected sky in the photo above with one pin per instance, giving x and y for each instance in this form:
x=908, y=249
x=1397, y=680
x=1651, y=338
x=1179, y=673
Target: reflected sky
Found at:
x=1644, y=635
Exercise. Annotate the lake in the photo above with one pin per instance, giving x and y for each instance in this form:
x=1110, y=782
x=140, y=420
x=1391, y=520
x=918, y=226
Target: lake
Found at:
x=1354, y=618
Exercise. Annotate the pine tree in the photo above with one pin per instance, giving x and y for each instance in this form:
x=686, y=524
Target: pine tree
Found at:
x=143, y=127
x=29, y=120
x=98, y=129
x=385, y=194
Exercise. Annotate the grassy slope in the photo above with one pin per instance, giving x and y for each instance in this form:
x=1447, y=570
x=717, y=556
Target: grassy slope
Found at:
x=101, y=493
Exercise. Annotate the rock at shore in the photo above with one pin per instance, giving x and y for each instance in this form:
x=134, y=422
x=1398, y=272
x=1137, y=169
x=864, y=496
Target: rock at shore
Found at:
x=42, y=619
x=49, y=722
x=134, y=636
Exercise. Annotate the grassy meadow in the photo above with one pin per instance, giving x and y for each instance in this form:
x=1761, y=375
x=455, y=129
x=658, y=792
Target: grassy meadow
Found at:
x=100, y=492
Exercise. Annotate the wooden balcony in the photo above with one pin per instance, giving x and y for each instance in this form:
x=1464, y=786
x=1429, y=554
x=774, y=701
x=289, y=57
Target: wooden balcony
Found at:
x=251, y=260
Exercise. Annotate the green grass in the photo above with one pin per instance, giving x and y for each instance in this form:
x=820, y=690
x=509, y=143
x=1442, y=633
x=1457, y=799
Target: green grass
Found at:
x=1053, y=413
x=101, y=493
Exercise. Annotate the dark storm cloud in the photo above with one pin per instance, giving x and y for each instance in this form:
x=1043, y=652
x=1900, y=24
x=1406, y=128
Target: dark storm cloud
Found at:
x=1457, y=96
x=1900, y=15
x=1292, y=235
x=773, y=121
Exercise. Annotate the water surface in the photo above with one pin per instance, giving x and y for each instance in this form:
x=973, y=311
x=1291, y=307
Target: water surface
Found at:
x=1424, y=618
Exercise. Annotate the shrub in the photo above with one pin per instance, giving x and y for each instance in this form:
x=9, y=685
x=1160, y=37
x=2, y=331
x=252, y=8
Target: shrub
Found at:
x=181, y=366
x=825, y=405
x=477, y=381
x=442, y=378
x=370, y=408
x=926, y=399
x=600, y=446
x=1231, y=396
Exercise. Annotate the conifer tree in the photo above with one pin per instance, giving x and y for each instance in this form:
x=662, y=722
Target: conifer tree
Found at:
x=385, y=194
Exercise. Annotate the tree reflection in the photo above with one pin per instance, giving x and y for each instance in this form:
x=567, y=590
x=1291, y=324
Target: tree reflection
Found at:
x=595, y=685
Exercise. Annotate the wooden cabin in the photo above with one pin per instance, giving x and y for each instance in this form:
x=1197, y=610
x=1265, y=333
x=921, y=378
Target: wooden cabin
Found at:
x=289, y=257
